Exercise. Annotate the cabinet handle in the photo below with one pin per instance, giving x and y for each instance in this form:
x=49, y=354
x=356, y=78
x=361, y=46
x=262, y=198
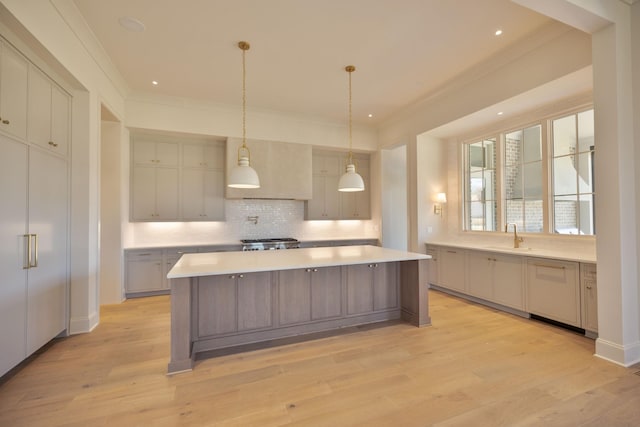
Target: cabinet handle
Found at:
x=557, y=267
x=308, y=270
x=35, y=251
x=452, y=252
x=145, y=254
x=6, y=122
x=588, y=287
x=53, y=144
x=28, y=252
x=241, y=276
x=315, y=270
x=233, y=276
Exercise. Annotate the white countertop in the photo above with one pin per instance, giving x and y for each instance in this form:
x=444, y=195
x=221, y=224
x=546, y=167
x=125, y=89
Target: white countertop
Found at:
x=585, y=255
x=206, y=264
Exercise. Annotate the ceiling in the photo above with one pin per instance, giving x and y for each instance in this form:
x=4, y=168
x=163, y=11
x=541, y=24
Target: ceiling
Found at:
x=402, y=49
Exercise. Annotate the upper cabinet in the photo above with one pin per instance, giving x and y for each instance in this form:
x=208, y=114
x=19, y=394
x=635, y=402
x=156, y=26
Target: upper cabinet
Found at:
x=13, y=91
x=48, y=113
x=176, y=180
x=327, y=203
x=284, y=170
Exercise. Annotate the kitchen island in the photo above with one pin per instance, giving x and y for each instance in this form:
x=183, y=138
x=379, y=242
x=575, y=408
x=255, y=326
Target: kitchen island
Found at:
x=227, y=299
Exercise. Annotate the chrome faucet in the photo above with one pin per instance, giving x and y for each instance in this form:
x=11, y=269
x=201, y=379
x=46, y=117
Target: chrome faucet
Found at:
x=516, y=240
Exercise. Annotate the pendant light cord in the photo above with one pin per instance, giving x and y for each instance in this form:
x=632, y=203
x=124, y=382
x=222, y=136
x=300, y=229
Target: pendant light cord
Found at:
x=350, y=69
x=244, y=46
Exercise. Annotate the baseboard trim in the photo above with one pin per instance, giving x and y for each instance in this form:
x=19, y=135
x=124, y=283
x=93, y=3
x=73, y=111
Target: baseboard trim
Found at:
x=623, y=355
x=82, y=325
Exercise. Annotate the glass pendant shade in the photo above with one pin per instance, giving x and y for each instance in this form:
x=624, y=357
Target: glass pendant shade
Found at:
x=351, y=181
x=243, y=175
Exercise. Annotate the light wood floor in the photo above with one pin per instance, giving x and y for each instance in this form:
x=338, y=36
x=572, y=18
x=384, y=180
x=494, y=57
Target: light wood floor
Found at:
x=474, y=367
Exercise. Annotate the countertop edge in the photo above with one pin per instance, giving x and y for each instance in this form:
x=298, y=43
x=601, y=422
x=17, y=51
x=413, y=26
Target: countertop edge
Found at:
x=525, y=252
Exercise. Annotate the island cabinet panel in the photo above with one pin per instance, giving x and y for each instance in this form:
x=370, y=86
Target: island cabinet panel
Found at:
x=309, y=294
x=371, y=287
x=217, y=305
x=233, y=303
x=326, y=293
x=294, y=296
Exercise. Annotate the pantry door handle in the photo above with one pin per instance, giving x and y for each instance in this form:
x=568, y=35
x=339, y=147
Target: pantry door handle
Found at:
x=28, y=251
x=35, y=251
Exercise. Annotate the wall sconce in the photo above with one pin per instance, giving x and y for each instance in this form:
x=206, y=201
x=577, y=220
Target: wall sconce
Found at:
x=441, y=198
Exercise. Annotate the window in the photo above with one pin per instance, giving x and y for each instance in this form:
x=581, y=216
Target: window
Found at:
x=573, y=195
x=523, y=179
x=539, y=177
x=480, y=197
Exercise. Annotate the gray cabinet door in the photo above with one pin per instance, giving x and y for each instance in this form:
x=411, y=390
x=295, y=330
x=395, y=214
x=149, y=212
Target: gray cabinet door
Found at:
x=254, y=300
x=217, y=305
x=359, y=289
x=326, y=293
x=294, y=296
x=385, y=286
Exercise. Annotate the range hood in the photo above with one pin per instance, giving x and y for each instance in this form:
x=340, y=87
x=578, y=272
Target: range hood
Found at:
x=284, y=169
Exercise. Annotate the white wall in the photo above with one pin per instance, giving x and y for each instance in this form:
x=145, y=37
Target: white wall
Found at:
x=111, y=259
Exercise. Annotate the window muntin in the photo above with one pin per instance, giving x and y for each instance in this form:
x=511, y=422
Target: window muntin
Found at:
x=523, y=179
x=480, y=194
x=573, y=192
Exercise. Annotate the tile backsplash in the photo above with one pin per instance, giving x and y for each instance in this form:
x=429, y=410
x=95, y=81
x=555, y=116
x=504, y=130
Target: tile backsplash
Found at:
x=248, y=219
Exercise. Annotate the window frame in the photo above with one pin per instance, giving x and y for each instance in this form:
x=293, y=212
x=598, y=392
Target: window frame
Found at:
x=546, y=123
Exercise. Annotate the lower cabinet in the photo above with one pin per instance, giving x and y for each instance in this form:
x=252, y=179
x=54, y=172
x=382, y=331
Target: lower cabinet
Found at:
x=372, y=287
x=146, y=270
x=309, y=294
x=496, y=277
x=451, y=268
x=563, y=291
x=589, y=295
x=234, y=303
x=433, y=264
x=553, y=290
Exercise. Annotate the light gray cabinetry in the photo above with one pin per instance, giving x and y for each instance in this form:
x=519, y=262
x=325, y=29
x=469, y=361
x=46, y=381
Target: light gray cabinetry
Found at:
x=234, y=303
x=48, y=113
x=146, y=270
x=309, y=294
x=434, y=252
x=174, y=180
x=452, y=268
x=202, y=184
x=372, y=287
x=589, y=295
x=154, y=187
x=13, y=91
x=496, y=277
x=327, y=202
x=33, y=249
x=553, y=290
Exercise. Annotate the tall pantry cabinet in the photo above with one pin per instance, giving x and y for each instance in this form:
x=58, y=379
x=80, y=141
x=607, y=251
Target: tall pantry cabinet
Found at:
x=34, y=217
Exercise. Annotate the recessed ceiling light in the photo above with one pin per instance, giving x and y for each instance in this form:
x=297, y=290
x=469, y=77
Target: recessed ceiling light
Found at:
x=131, y=24
x=500, y=113
x=370, y=115
x=154, y=82
x=498, y=32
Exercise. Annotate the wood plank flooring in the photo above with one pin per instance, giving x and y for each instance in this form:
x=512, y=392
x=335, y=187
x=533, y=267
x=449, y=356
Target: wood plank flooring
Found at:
x=474, y=367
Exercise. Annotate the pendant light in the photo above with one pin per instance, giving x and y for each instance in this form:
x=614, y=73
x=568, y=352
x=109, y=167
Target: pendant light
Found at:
x=243, y=175
x=350, y=181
